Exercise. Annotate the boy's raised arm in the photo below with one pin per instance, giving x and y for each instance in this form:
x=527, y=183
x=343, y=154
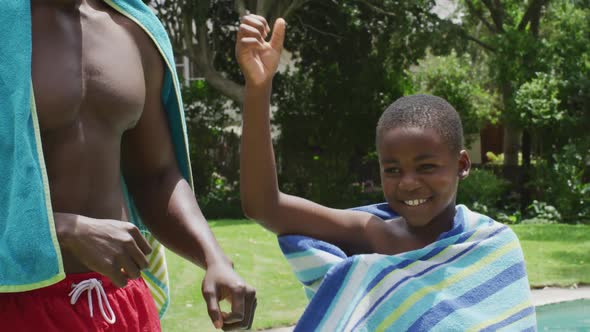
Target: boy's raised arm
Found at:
x=261, y=198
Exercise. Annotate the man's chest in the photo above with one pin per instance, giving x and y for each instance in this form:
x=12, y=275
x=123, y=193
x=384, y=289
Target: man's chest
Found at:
x=87, y=64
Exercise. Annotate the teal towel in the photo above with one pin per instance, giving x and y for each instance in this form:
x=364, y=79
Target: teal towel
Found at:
x=29, y=252
x=472, y=278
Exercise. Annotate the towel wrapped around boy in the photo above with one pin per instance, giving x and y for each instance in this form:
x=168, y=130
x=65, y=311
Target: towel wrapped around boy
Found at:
x=472, y=278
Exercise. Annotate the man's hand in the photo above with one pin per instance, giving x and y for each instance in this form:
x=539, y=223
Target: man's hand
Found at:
x=222, y=282
x=112, y=248
x=258, y=58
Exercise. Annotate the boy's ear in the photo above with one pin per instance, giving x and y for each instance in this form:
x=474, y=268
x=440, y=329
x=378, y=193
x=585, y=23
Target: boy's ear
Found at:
x=464, y=164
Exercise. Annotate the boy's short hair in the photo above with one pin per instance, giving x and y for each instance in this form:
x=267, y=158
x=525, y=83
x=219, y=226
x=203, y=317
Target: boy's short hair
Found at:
x=424, y=111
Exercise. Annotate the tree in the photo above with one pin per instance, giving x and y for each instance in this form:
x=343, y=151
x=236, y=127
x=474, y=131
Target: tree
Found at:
x=568, y=43
x=352, y=46
x=204, y=31
x=351, y=58
x=462, y=82
x=555, y=108
x=510, y=36
x=533, y=50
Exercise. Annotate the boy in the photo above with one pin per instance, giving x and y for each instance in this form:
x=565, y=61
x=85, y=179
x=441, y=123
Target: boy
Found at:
x=433, y=244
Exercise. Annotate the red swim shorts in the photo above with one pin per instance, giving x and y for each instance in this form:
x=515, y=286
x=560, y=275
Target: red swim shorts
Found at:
x=82, y=302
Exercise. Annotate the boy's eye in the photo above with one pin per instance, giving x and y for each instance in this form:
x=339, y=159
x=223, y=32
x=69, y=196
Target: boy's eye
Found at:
x=391, y=170
x=426, y=167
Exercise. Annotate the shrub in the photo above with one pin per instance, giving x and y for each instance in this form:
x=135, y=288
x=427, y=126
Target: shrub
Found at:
x=561, y=183
x=542, y=211
x=222, y=200
x=482, y=190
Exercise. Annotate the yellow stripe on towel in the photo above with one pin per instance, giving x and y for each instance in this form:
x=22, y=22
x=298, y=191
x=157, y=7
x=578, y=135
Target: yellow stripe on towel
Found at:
x=410, y=301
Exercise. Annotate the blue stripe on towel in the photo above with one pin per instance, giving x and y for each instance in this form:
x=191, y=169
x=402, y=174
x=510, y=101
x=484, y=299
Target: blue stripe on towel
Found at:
x=440, y=275
x=388, y=270
x=460, y=254
x=381, y=210
x=294, y=245
x=472, y=297
x=427, y=256
x=512, y=319
x=337, y=279
x=309, y=276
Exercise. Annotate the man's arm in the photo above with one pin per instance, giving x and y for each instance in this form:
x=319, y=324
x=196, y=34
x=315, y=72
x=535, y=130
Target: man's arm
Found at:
x=261, y=198
x=168, y=206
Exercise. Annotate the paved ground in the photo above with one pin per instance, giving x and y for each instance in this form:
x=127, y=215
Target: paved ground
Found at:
x=543, y=296
x=553, y=295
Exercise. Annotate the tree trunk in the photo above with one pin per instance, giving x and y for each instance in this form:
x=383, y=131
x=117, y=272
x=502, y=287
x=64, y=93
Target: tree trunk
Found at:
x=525, y=195
x=511, y=144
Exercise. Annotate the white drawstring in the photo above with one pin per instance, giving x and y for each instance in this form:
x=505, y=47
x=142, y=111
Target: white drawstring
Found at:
x=89, y=285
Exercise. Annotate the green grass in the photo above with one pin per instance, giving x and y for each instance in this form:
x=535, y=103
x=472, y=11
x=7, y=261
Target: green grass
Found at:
x=555, y=255
x=258, y=259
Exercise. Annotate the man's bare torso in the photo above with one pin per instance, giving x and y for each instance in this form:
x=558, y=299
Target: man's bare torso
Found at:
x=89, y=80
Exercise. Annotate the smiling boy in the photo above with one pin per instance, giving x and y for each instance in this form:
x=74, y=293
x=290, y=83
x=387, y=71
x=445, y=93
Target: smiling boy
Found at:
x=436, y=266
x=421, y=156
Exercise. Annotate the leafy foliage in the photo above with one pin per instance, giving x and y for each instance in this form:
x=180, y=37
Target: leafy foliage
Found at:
x=537, y=101
x=563, y=182
x=212, y=150
x=542, y=213
x=351, y=60
x=482, y=191
x=568, y=42
x=458, y=80
x=538, y=58
x=222, y=200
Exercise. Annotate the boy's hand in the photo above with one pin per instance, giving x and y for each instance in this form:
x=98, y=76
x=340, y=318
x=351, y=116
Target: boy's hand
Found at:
x=258, y=58
x=222, y=282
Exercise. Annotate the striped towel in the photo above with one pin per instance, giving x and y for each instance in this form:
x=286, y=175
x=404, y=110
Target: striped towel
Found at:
x=472, y=278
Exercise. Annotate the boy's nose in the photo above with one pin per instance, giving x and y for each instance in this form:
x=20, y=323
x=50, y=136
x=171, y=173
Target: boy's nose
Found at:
x=409, y=182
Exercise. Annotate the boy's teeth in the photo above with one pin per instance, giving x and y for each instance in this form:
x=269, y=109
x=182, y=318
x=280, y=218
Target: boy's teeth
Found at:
x=415, y=202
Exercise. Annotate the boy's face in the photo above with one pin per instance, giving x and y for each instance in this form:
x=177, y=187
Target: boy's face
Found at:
x=420, y=173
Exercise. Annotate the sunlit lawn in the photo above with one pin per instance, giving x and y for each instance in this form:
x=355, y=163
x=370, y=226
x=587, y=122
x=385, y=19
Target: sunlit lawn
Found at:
x=258, y=259
x=555, y=255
